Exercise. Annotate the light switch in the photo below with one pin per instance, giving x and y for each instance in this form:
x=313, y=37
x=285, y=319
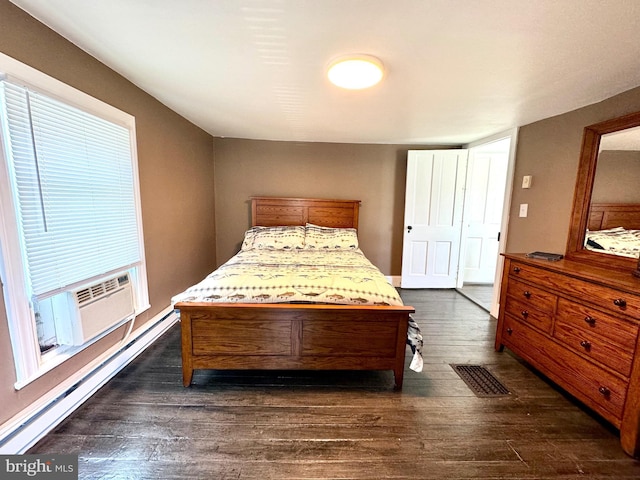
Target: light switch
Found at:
x=524, y=207
x=526, y=181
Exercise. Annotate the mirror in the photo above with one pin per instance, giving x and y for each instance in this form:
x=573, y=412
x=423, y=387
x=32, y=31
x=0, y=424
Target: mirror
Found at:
x=596, y=198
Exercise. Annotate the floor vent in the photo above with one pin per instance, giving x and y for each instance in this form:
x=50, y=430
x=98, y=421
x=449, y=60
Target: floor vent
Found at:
x=480, y=380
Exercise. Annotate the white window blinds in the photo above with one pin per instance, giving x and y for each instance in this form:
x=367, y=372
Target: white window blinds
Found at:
x=74, y=187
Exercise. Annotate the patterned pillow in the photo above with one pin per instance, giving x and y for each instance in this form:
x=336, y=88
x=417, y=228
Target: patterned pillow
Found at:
x=330, y=238
x=249, y=237
x=279, y=238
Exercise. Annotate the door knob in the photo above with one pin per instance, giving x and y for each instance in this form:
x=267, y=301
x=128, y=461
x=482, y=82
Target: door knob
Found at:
x=409, y=228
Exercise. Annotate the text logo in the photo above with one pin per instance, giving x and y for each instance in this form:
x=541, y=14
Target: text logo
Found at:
x=51, y=467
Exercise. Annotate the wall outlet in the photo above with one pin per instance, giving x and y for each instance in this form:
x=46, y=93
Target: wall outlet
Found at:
x=526, y=181
x=524, y=207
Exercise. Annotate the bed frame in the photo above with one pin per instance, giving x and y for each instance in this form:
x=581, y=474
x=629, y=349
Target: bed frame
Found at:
x=603, y=216
x=226, y=336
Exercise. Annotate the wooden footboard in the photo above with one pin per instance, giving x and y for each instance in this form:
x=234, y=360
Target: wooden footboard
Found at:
x=293, y=337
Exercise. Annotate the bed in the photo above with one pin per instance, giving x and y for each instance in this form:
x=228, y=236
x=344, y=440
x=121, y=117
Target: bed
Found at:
x=614, y=228
x=229, y=323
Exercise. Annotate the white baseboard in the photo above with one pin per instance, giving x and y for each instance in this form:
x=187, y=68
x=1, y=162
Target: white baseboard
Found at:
x=22, y=431
x=394, y=280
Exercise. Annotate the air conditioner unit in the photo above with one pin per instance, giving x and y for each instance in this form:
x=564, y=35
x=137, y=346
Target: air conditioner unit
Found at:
x=94, y=309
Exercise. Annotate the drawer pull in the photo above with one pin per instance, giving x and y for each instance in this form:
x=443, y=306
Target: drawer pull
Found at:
x=590, y=320
x=527, y=293
x=516, y=269
x=525, y=314
x=620, y=302
x=509, y=330
x=604, y=391
x=585, y=344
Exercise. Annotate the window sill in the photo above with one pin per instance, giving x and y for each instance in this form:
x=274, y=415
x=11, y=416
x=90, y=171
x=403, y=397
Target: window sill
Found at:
x=58, y=356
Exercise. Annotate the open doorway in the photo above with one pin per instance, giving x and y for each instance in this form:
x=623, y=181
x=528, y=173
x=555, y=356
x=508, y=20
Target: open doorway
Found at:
x=456, y=217
x=487, y=196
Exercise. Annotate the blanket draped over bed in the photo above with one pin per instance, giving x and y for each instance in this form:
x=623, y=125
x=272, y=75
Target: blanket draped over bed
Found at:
x=614, y=228
x=344, y=277
x=336, y=276
x=617, y=241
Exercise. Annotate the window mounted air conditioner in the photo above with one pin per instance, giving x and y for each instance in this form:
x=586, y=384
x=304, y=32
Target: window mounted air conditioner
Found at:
x=94, y=309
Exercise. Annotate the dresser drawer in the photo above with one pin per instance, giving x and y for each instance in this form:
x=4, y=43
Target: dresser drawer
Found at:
x=532, y=296
x=596, y=387
x=528, y=314
x=594, y=347
x=599, y=324
x=609, y=298
x=536, y=275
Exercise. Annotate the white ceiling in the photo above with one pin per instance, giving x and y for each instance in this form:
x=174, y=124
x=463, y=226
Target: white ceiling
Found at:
x=457, y=70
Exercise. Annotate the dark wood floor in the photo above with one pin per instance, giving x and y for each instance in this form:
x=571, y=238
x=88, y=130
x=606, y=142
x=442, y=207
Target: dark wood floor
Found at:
x=287, y=425
x=481, y=295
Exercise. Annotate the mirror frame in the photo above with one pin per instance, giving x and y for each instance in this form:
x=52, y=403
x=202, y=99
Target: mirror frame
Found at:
x=582, y=195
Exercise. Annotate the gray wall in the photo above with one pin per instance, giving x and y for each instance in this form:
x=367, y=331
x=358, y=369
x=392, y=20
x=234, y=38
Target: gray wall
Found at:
x=550, y=150
x=175, y=160
x=374, y=174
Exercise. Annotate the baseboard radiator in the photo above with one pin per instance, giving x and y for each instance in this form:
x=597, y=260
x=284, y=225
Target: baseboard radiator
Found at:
x=25, y=429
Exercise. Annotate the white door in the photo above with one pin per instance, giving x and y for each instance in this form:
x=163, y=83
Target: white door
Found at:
x=433, y=218
x=484, y=197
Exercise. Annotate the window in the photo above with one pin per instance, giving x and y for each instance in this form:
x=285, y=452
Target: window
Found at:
x=71, y=221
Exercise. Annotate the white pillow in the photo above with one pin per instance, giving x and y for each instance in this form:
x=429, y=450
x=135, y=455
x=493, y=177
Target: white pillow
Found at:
x=327, y=238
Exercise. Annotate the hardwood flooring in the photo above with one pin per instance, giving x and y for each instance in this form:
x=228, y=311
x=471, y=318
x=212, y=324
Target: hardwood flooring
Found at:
x=337, y=425
x=481, y=295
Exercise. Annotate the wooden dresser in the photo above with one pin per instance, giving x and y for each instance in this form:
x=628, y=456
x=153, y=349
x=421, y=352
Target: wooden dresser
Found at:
x=578, y=325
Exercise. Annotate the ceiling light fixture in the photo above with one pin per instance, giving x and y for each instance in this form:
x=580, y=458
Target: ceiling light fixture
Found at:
x=355, y=72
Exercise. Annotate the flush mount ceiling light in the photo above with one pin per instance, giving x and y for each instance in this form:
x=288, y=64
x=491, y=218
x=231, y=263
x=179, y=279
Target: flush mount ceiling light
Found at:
x=355, y=72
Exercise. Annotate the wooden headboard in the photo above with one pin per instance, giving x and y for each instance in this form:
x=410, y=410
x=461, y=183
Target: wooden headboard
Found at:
x=273, y=211
x=609, y=215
